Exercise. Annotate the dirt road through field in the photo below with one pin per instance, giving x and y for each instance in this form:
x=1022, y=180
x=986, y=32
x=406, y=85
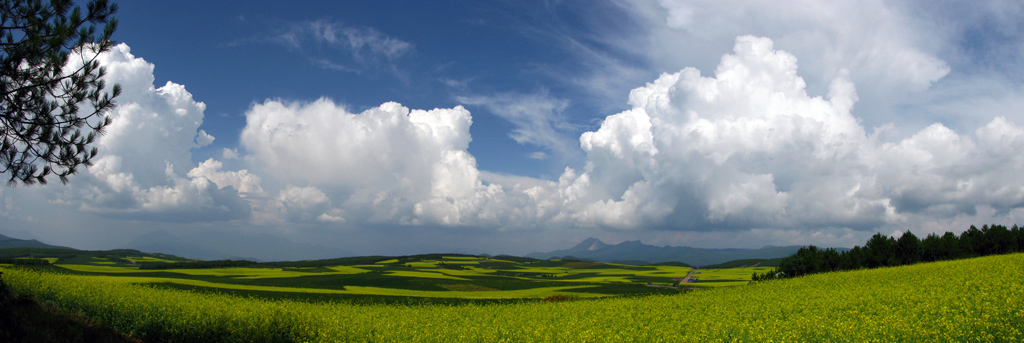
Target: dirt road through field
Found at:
x=687, y=278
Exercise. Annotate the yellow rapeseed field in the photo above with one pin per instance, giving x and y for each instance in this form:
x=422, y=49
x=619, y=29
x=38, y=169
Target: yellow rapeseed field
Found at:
x=978, y=299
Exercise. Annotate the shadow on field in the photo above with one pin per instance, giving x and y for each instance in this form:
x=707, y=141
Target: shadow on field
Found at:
x=23, y=320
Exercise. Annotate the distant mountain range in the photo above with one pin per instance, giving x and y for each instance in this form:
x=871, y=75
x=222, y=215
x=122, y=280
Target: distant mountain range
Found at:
x=213, y=247
x=595, y=249
x=8, y=242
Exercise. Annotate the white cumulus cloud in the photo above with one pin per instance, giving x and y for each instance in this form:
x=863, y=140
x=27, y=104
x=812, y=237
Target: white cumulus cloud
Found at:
x=308, y=204
x=387, y=164
x=890, y=50
x=146, y=150
x=748, y=148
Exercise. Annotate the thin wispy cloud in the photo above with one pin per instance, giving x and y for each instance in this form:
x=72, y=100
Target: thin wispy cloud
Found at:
x=538, y=120
x=334, y=46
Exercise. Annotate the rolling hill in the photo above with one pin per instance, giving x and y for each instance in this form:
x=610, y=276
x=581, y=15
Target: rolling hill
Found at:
x=8, y=243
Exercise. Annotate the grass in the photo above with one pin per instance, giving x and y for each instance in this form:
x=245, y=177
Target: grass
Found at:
x=420, y=274
x=92, y=268
x=465, y=258
x=148, y=259
x=967, y=300
x=421, y=264
x=427, y=280
x=724, y=277
x=406, y=276
x=464, y=287
x=584, y=278
x=23, y=320
x=536, y=292
x=757, y=262
x=48, y=259
x=353, y=299
x=468, y=272
x=377, y=277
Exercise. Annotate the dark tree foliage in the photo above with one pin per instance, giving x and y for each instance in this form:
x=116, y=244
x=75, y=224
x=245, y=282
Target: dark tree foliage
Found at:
x=997, y=240
x=931, y=248
x=197, y=264
x=25, y=261
x=908, y=249
x=1018, y=238
x=51, y=85
x=971, y=242
x=884, y=251
x=810, y=260
x=951, y=246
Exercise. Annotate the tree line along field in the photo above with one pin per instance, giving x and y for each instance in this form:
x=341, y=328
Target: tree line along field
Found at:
x=886, y=251
x=977, y=299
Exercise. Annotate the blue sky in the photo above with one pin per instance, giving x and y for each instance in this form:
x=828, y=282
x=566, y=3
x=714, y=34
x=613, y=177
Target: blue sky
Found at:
x=283, y=131
x=459, y=49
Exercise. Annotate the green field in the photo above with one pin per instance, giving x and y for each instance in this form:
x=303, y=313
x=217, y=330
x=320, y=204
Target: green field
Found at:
x=439, y=278
x=976, y=299
x=726, y=276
